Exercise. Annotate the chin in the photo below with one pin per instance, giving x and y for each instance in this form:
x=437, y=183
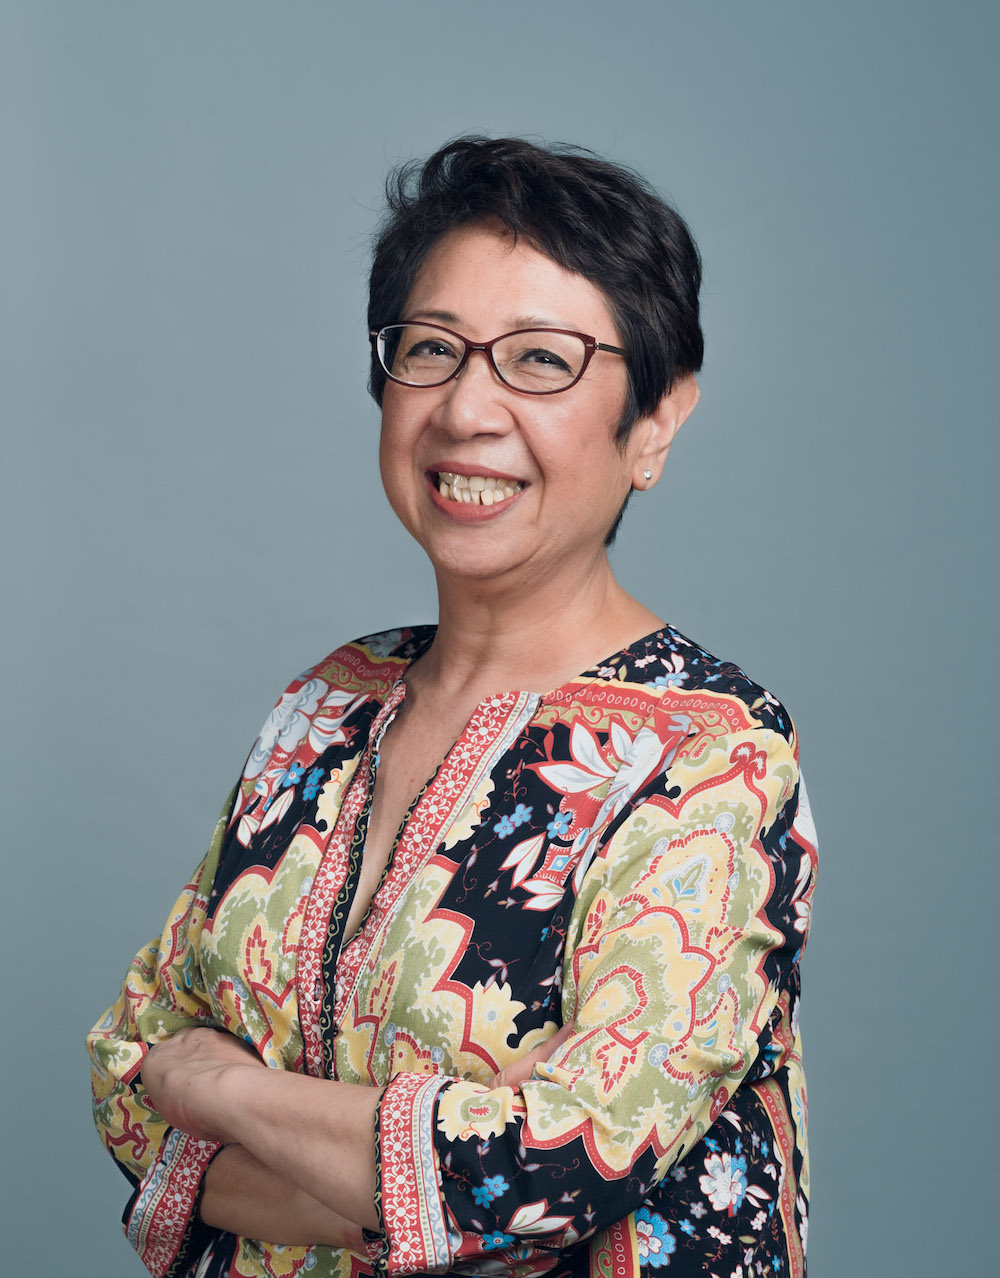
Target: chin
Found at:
x=484, y=562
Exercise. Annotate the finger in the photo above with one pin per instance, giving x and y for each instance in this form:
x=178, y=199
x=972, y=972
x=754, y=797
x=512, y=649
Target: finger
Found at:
x=557, y=1040
x=519, y=1071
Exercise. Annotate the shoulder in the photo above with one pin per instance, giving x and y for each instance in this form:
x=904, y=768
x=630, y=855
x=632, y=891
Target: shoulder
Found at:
x=356, y=673
x=374, y=661
x=716, y=743
x=686, y=674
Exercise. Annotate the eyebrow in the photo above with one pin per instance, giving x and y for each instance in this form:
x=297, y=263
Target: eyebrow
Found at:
x=516, y=321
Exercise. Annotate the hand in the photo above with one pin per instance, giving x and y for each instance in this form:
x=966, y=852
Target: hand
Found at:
x=519, y=1071
x=183, y=1076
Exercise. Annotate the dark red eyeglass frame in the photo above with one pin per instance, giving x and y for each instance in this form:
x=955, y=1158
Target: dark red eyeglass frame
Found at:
x=591, y=344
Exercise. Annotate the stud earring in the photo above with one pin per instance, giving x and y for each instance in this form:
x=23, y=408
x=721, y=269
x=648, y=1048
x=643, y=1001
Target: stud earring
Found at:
x=647, y=475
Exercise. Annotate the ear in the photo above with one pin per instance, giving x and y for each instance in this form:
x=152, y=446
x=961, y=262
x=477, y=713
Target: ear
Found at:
x=653, y=435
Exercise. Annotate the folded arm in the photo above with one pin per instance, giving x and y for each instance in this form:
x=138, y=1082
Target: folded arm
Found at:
x=182, y=1182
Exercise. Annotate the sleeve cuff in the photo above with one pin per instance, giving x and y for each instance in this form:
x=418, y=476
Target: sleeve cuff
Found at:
x=415, y=1236
x=160, y=1217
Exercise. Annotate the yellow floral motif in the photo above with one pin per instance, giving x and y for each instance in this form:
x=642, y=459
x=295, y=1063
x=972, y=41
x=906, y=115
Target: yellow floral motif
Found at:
x=468, y=1112
x=691, y=1062
x=614, y=999
x=254, y=922
x=493, y=1011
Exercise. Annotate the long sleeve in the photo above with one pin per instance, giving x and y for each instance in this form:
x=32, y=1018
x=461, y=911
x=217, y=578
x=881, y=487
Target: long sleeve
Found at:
x=163, y=992
x=687, y=930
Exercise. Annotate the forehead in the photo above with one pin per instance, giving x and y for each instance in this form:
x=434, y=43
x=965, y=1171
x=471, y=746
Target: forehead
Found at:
x=479, y=280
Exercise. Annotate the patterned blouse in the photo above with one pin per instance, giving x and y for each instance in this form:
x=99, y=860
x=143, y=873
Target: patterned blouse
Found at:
x=631, y=853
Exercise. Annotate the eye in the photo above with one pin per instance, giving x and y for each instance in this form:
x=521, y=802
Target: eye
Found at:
x=430, y=348
x=536, y=360
x=546, y=358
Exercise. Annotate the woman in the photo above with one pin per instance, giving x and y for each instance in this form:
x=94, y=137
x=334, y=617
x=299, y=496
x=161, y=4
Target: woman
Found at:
x=518, y=943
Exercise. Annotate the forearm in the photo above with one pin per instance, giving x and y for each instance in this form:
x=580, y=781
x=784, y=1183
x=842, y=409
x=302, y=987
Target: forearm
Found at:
x=244, y=1196
x=316, y=1134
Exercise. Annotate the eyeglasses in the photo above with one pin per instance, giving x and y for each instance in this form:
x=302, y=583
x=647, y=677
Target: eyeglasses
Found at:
x=538, y=361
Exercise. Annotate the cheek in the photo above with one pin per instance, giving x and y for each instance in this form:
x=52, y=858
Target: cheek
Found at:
x=394, y=441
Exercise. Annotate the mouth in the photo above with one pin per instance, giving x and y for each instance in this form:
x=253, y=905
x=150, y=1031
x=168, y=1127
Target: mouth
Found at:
x=475, y=490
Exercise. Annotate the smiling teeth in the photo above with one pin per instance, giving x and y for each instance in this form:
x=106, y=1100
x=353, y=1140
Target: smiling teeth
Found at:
x=478, y=490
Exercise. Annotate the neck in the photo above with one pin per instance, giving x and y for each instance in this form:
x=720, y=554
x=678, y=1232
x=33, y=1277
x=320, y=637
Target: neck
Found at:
x=495, y=638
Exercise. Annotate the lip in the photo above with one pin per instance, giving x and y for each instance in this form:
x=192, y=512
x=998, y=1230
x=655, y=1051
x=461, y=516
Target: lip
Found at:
x=464, y=468
x=464, y=512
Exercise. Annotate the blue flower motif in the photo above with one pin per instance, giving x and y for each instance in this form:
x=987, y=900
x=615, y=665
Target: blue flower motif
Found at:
x=713, y=1145
x=670, y=680
x=559, y=825
x=497, y=1185
x=687, y=1227
x=312, y=783
x=293, y=775
x=765, y=1148
x=491, y=1242
x=656, y=1242
x=776, y=1261
x=492, y=1187
x=520, y=814
x=504, y=827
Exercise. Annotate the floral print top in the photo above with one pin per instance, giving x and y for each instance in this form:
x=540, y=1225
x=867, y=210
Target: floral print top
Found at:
x=631, y=853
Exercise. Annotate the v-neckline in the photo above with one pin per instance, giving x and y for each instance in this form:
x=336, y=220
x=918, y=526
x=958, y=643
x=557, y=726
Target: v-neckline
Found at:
x=394, y=701
x=428, y=631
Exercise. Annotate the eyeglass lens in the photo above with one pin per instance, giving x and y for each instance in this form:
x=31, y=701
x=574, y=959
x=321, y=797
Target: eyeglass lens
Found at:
x=530, y=361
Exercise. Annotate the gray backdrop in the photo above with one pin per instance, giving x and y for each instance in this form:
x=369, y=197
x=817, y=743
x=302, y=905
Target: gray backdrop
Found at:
x=192, y=511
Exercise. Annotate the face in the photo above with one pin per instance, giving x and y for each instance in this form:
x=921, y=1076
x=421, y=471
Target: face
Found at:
x=547, y=464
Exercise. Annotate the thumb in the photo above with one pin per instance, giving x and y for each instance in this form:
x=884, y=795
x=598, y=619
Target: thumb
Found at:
x=519, y=1070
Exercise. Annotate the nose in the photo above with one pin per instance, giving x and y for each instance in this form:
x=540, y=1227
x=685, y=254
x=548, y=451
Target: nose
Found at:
x=474, y=402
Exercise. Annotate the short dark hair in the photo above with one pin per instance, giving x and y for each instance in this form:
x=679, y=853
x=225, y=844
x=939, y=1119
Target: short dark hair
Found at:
x=601, y=220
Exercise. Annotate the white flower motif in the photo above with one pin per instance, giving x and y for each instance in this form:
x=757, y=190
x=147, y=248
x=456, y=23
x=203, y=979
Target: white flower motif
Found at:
x=324, y=727
x=381, y=644
x=648, y=1241
x=286, y=725
x=726, y=1181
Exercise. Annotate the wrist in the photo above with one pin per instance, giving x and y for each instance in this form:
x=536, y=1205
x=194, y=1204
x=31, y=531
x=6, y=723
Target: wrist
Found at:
x=235, y=1101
